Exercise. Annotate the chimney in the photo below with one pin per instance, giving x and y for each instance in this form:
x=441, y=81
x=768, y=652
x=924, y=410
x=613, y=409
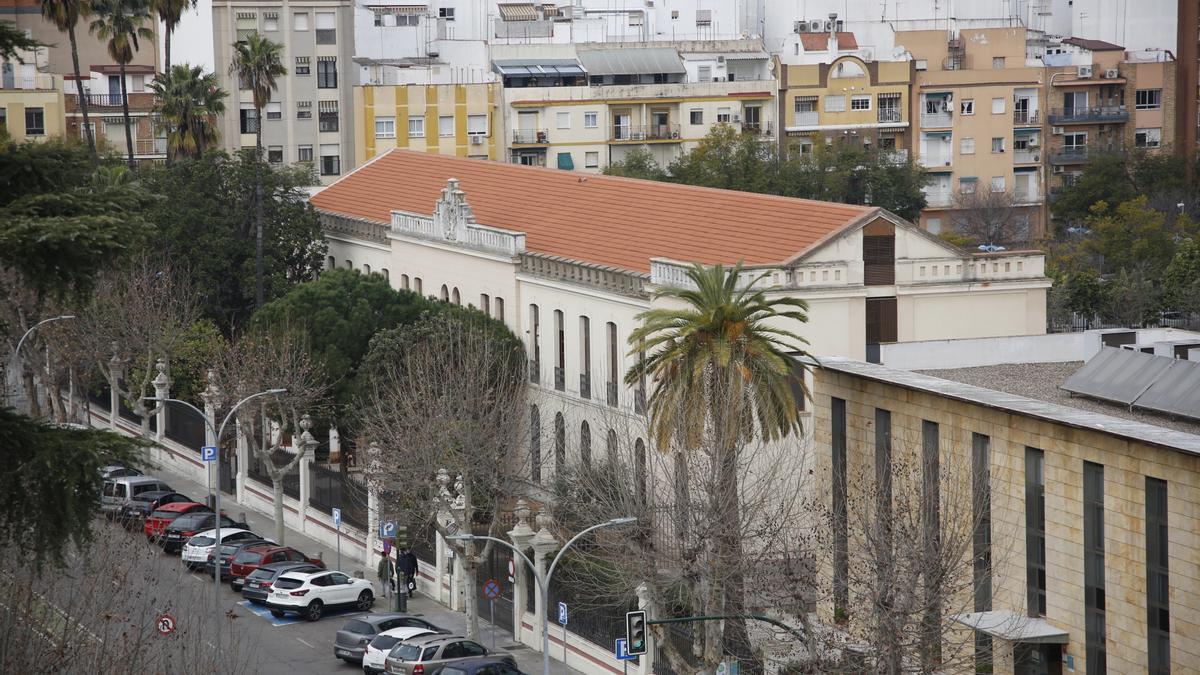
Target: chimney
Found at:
x=833, y=43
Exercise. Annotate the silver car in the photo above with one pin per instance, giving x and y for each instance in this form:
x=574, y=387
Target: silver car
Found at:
x=117, y=491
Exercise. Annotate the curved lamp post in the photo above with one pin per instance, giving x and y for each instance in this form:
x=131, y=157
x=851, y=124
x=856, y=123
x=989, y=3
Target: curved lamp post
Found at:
x=17, y=351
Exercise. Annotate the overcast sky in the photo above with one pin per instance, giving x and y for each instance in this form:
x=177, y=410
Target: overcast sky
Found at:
x=192, y=41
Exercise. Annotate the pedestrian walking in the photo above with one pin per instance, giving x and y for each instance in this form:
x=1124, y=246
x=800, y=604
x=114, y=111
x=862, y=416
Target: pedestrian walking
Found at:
x=407, y=564
x=387, y=574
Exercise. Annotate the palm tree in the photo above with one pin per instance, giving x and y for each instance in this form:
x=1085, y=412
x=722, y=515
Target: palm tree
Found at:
x=122, y=23
x=189, y=101
x=256, y=63
x=65, y=14
x=724, y=371
x=171, y=12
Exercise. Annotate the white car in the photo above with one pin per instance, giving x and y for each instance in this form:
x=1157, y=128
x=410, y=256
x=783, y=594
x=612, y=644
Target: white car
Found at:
x=378, y=649
x=195, y=550
x=309, y=594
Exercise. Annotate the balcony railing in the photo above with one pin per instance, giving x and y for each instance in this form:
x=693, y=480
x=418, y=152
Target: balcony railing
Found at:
x=645, y=132
x=895, y=155
x=1026, y=196
x=935, y=160
x=1099, y=113
x=612, y=393
x=151, y=146
x=531, y=136
x=938, y=198
x=757, y=128
x=941, y=119
x=104, y=100
x=1027, y=156
x=585, y=385
x=35, y=81
x=806, y=119
x=1073, y=155
x=1027, y=117
x=890, y=115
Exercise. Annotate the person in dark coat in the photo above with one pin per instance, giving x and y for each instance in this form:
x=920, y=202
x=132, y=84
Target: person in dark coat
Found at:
x=407, y=564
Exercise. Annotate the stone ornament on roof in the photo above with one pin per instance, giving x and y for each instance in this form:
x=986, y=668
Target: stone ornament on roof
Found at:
x=452, y=213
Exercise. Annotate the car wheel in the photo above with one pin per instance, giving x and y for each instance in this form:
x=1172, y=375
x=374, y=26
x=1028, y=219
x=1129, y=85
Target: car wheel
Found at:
x=313, y=612
x=277, y=614
x=365, y=599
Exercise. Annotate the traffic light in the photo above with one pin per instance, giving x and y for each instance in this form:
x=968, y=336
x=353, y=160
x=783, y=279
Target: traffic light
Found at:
x=401, y=536
x=635, y=632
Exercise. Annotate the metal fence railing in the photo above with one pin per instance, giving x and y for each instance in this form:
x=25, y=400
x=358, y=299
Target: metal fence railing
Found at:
x=332, y=488
x=258, y=471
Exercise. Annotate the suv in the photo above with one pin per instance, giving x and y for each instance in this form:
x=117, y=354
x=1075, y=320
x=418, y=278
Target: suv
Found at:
x=257, y=586
x=350, y=642
x=309, y=594
x=250, y=558
x=118, y=471
x=189, y=525
x=157, y=522
x=117, y=491
x=427, y=655
x=227, y=553
x=133, y=513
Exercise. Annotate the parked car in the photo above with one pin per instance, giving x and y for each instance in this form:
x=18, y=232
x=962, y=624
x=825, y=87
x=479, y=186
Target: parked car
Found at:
x=379, y=647
x=117, y=491
x=482, y=665
x=257, y=586
x=357, y=633
x=227, y=553
x=429, y=654
x=189, y=525
x=198, y=551
x=308, y=595
x=157, y=522
x=250, y=558
x=134, y=512
x=117, y=470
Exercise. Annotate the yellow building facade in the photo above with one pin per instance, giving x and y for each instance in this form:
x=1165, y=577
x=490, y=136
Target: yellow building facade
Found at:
x=32, y=108
x=449, y=119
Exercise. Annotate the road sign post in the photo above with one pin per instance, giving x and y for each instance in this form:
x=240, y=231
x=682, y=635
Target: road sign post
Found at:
x=562, y=620
x=491, y=591
x=208, y=453
x=165, y=623
x=337, y=523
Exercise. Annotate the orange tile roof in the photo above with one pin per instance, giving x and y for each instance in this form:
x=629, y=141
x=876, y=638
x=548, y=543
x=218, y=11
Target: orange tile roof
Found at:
x=819, y=42
x=621, y=222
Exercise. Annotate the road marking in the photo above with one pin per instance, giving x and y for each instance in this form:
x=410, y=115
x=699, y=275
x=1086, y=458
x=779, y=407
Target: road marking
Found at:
x=305, y=643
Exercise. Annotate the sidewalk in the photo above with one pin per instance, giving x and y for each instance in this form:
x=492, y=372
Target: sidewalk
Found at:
x=530, y=661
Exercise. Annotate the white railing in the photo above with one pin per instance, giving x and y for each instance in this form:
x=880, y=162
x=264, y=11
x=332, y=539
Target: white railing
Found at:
x=664, y=272
x=943, y=119
x=895, y=156
x=1026, y=195
x=613, y=279
x=1015, y=265
x=35, y=81
x=931, y=160
x=478, y=236
x=408, y=223
x=938, y=198
x=495, y=239
x=806, y=119
x=823, y=274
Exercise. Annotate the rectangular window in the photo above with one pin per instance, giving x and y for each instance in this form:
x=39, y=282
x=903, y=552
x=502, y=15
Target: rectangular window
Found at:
x=563, y=120
x=1147, y=99
x=967, y=146
x=835, y=103
x=300, y=21
x=446, y=13
x=1147, y=138
x=326, y=28
x=967, y=107
x=275, y=154
x=723, y=116
x=997, y=106
x=614, y=363
x=1035, y=531
x=35, y=122
x=591, y=160
x=1158, y=582
x=966, y=186
x=806, y=104
x=304, y=110
x=416, y=127
x=271, y=22
x=302, y=66
x=445, y=125
x=1093, y=567
x=696, y=116
x=841, y=549
x=304, y=153
x=585, y=357
x=327, y=72
x=1076, y=140
x=860, y=102
x=704, y=73
x=883, y=500
x=997, y=63
x=331, y=161
x=931, y=526
x=998, y=144
x=591, y=120
x=997, y=183
x=385, y=127
x=981, y=503
x=248, y=120
x=274, y=110
x=477, y=125
x=327, y=115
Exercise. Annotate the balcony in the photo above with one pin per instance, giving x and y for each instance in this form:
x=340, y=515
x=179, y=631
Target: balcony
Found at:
x=150, y=146
x=806, y=119
x=1099, y=113
x=937, y=160
x=1023, y=195
x=1027, y=118
x=890, y=115
x=531, y=137
x=938, y=198
x=1029, y=156
x=936, y=120
x=1073, y=155
x=43, y=81
x=894, y=155
x=103, y=100
x=645, y=132
x=585, y=386
x=757, y=128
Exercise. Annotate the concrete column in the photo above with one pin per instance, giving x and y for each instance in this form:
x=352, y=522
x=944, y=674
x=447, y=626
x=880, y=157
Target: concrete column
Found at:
x=305, y=469
x=440, y=561
x=521, y=536
x=243, y=457
x=544, y=543
x=115, y=367
x=162, y=391
x=372, y=538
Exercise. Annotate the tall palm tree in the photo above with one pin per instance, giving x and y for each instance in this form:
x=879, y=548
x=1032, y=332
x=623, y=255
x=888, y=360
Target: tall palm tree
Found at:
x=171, y=13
x=189, y=102
x=723, y=370
x=122, y=23
x=65, y=14
x=256, y=63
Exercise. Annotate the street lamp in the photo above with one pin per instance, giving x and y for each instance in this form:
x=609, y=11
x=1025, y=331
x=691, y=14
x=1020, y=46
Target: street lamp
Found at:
x=544, y=581
x=17, y=351
x=215, y=495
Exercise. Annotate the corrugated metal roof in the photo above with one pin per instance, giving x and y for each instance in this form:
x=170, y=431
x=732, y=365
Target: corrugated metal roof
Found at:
x=1176, y=392
x=538, y=67
x=1118, y=375
x=631, y=61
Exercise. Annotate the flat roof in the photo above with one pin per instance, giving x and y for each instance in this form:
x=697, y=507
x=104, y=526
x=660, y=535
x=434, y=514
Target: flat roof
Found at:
x=1133, y=430
x=1013, y=627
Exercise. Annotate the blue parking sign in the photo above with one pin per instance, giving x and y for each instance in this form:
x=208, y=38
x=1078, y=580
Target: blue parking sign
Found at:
x=622, y=650
x=208, y=453
x=387, y=529
x=337, y=517
x=562, y=613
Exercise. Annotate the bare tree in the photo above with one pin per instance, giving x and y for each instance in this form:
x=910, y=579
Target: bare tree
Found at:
x=447, y=393
x=987, y=217
x=273, y=359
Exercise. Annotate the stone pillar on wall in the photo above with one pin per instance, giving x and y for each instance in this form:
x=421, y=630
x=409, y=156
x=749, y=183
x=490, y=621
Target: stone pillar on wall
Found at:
x=162, y=391
x=521, y=536
x=544, y=543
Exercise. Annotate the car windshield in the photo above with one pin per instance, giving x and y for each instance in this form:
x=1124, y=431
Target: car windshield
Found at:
x=261, y=574
x=247, y=556
x=356, y=627
x=201, y=541
x=288, y=583
x=384, y=642
x=228, y=548
x=164, y=514
x=405, y=652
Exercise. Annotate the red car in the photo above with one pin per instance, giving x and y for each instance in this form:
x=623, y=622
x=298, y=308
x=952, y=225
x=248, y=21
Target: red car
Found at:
x=251, y=558
x=158, y=521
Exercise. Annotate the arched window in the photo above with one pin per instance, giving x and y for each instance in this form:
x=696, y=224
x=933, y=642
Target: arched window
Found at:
x=404, y=282
x=585, y=445
x=445, y=293
x=614, y=364
x=560, y=444
x=417, y=285
x=366, y=269
x=386, y=275
x=639, y=469
x=535, y=349
x=612, y=448
x=560, y=352
x=331, y=263
x=585, y=357
x=455, y=297
x=485, y=304
x=500, y=309
x=535, y=444
x=349, y=264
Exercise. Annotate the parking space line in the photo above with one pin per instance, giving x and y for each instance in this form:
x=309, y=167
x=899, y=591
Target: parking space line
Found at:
x=305, y=643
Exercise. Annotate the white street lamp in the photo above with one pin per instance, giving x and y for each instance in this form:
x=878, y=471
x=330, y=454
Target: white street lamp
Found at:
x=17, y=351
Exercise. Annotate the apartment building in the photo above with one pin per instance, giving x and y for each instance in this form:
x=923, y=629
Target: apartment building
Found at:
x=31, y=103
x=309, y=118
x=1084, y=547
x=55, y=57
x=584, y=106
x=106, y=115
x=451, y=119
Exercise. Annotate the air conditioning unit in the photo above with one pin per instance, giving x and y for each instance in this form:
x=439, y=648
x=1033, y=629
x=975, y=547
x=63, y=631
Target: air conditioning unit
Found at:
x=1037, y=157
x=1084, y=71
x=1112, y=73
x=477, y=139
x=1057, y=131
x=432, y=55
x=1060, y=169
x=799, y=26
x=828, y=25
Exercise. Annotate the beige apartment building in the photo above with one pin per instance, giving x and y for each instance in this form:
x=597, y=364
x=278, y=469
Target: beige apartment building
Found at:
x=31, y=106
x=1085, y=539
x=450, y=119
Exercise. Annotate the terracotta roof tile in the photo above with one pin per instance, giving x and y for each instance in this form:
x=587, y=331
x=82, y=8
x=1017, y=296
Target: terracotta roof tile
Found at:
x=819, y=42
x=606, y=220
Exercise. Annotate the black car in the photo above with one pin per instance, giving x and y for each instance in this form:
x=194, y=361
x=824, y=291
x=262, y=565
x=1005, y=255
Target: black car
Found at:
x=133, y=513
x=258, y=585
x=351, y=641
x=482, y=665
x=189, y=525
x=227, y=553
